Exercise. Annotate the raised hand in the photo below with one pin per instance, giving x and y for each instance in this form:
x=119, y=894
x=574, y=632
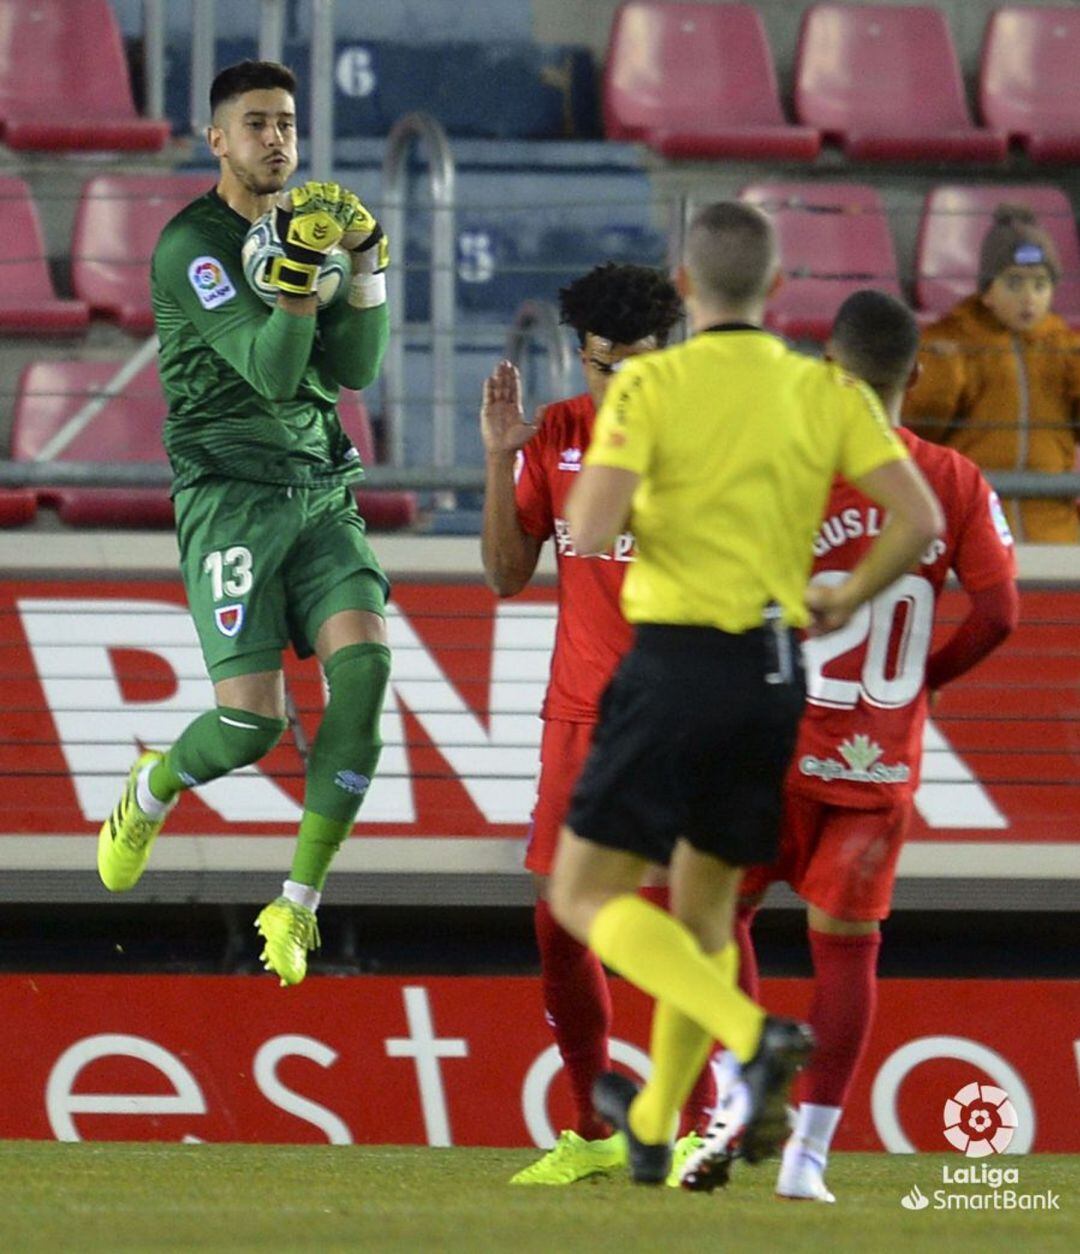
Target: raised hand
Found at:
x=502, y=418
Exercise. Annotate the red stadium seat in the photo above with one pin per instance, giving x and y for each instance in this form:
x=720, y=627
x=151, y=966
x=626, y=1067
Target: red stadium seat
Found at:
x=382, y=510
x=834, y=239
x=119, y=219
x=64, y=408
x=28, y=304
x=955, y=218
x=697, y=80
x=1028, y=80
x=60, y=403
x=64, y=81
x=885, y=82
x=18, y=506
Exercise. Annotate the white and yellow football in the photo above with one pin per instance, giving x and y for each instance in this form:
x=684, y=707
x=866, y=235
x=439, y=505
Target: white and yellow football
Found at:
x=262, y=244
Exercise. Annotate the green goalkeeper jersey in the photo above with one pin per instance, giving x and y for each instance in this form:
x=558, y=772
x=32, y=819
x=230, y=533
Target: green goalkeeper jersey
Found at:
x=251, y=390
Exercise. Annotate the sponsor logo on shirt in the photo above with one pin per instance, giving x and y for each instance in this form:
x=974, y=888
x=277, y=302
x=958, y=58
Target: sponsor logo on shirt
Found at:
x=621, y=551
x=212, y=285
x=570, y=459
x=1001, y=523
x=860, y=764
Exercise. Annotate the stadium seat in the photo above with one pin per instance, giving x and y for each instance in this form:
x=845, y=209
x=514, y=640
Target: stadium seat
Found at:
x=64, y=81
x=697, y=80
x=834, y=239
x=885, y=82
x=382, y=510
x=18, y=506
x=954, y=220
x=117, y=224
x=1028, y=83
x=66, y=403
x=28, y=304
x=54, y=395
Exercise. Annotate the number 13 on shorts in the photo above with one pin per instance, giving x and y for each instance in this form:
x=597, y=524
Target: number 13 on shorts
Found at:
x=230, y=571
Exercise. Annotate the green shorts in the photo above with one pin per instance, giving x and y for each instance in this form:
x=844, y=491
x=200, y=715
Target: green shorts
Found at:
x=265, y=565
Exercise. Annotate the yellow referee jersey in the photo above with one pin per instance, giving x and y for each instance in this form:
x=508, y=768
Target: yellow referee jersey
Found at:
x=737, y=439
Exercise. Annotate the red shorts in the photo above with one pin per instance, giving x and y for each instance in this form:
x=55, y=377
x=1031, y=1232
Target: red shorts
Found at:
x=841, y=860
x=563, y=750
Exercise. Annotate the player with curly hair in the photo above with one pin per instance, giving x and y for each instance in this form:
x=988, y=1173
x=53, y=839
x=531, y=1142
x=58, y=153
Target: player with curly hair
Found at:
x=617, y=312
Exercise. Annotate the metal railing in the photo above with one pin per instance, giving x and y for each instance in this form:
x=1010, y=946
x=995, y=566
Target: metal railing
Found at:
x=1020, y=484
x=423, y=129
x=537, y=321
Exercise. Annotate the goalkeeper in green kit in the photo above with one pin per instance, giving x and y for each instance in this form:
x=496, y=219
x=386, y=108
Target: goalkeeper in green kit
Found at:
x=272, y=548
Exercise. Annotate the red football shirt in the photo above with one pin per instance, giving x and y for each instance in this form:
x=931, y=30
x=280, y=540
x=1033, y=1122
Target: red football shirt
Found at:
x=591, y=635
x=860, y=740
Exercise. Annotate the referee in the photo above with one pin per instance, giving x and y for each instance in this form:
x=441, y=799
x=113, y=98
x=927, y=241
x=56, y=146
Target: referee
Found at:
x=719, y=454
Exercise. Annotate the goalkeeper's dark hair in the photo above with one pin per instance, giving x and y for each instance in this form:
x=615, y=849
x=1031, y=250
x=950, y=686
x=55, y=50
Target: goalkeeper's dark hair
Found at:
x=875, y=336
x=623, y=303
x=244, y=76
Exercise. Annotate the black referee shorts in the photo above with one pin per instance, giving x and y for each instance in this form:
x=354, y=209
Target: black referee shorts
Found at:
x=694, y=737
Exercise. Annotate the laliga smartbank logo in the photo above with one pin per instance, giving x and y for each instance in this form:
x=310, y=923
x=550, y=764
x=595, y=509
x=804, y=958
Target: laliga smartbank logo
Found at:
x=978, y=1121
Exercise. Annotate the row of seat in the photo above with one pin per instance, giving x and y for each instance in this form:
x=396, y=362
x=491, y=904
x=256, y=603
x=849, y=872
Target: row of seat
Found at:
x=697, y=80
x=834, y=239
x=85, y=411
x=832, y=235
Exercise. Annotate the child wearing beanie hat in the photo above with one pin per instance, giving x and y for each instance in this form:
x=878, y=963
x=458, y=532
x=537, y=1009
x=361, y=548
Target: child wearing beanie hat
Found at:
x=1000, y=377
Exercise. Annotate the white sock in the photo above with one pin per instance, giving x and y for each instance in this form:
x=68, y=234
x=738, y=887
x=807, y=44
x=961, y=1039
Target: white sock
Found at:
x=726, y=1071
x=145, y=799
x=301, y=894
x=815, y=1127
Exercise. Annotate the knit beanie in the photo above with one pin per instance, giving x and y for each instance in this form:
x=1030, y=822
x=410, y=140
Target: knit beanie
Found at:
x=1015, y=239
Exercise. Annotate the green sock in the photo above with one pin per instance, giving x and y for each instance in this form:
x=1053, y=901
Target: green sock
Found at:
x=164, y=782
x=217, y=742
x=343, y=757
x=317, y=842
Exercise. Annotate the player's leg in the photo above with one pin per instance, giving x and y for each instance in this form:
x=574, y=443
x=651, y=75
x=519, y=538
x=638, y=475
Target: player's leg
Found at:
x=230, y=559
x=703, y=901
x=577, y=1005
x=691, y=739
x=340, y=766
x=577, y=1001
x=336, y=602
x=734, y=823
x=848, y=886
x=725, y=1067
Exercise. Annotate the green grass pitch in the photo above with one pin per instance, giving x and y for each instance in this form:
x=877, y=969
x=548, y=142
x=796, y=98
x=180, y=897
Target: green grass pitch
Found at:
x=372, y=1198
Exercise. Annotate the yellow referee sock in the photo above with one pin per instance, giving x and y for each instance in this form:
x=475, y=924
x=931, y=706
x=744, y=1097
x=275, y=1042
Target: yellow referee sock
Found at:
x=678, y=1048
x=658, y=954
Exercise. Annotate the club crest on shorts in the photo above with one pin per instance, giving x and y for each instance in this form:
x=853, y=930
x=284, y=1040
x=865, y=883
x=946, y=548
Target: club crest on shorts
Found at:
x=229, y=619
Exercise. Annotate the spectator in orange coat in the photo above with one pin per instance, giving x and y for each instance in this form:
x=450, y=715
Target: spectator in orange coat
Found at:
x=1000, y=377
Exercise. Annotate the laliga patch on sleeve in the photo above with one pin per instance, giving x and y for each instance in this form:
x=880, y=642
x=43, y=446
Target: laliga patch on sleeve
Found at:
x=1001, y=523
x=212, y=285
